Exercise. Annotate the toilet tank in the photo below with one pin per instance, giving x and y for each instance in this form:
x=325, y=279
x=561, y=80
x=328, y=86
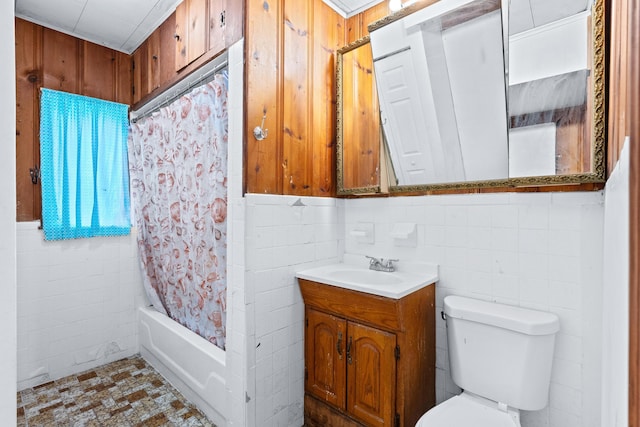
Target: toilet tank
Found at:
x=501, y=352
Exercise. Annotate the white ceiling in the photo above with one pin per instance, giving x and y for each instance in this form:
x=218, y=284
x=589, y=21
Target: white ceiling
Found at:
x=124, y=24
x=347, y=8
x=119, y=24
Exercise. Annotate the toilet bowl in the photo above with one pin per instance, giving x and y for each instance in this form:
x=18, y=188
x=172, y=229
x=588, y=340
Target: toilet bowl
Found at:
x=467, y=409
x=501, y=356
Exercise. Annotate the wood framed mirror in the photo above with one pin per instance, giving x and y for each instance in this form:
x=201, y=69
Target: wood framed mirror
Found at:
x=476, y=94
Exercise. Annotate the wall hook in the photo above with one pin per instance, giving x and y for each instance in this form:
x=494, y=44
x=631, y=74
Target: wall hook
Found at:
x=258, y=132
x=34, y=172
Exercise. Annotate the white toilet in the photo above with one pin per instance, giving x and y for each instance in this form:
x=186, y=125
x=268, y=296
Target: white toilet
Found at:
x=501, y=357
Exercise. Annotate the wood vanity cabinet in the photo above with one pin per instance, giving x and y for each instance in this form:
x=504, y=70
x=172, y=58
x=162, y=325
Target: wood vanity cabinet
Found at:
x=369, y=360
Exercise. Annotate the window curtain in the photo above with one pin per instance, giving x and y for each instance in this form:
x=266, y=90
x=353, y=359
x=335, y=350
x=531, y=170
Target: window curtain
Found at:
x=83, y=156
x=178, y=170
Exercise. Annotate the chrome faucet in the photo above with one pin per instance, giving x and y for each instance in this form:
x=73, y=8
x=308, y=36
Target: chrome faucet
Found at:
x=379, y=264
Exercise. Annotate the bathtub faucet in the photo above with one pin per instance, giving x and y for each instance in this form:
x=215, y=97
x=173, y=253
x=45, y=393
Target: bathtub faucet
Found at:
x=379, y=264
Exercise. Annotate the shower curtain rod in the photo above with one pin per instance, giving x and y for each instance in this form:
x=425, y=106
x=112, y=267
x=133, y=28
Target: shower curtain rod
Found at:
x=176, y=91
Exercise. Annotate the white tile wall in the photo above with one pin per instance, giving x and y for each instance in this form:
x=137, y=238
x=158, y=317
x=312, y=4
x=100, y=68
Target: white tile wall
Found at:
x=615, y=337
x=541, y=251
x=236, y=354
x=77, y=303
x=280, y=240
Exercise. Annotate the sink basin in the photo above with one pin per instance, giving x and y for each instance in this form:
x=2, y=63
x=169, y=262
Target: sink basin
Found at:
x=354, y=274
x=365, y=277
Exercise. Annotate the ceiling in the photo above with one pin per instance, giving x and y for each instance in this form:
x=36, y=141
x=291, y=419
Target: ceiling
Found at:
x=527, y=14
x=347, y=8
x=124, y=24
x=118, y=24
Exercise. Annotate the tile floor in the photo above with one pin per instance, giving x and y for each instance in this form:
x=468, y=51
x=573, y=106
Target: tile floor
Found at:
x=125, y=393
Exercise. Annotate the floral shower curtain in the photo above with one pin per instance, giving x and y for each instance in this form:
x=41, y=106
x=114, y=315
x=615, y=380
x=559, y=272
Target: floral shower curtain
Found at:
x=178, y=173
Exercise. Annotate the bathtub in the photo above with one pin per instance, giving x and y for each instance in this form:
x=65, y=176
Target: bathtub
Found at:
x=191, y=364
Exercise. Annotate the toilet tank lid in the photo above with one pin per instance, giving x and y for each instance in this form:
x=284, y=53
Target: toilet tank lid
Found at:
x=518, y=319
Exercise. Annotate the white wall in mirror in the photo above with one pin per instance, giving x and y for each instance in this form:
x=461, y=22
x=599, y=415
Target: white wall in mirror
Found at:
x=556, y=48
x=440, y=75
x=475, y=61
x=532, y=150
x=527, y=14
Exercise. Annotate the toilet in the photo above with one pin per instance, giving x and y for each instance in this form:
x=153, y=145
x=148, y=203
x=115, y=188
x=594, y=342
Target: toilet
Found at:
x=501, y=356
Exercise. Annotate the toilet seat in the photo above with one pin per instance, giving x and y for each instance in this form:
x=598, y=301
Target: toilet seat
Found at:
x=467, y=410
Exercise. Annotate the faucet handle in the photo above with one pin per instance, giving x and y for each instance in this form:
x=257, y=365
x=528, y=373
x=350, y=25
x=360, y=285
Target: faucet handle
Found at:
x=373, y=260
x=389, y=262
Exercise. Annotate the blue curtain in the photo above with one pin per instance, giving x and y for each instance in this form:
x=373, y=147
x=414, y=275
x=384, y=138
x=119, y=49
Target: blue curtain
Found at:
x=83, y=161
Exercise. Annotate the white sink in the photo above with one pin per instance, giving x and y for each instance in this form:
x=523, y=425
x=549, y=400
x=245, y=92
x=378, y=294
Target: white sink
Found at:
x=354, y=274
x=365, y=277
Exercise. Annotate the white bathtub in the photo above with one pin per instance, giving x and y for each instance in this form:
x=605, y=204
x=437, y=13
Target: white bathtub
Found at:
x=191, y=364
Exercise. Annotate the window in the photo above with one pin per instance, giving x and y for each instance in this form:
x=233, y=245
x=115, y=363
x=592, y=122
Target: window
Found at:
x=83, y=152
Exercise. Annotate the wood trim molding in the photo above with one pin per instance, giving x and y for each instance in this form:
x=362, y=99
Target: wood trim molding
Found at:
x=633, y=125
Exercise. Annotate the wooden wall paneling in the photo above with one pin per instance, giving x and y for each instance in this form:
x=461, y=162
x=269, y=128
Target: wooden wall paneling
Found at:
x=619, y=31
x=60, y=63
x=167, y=49
x=329, y=36
x=98, y=76
x=263, y=49
x=373, y=14
x=234, y=21
x=353, y=28
x=28, y=82
x=217, y=18
x=356, y=25
x=633, y=130
x=198, y=29
x=181, y=35
x=124, y=78
x=153, y=61
x=298, y=53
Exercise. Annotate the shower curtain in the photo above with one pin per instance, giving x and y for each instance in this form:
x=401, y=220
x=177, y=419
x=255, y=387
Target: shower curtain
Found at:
x=178, y=174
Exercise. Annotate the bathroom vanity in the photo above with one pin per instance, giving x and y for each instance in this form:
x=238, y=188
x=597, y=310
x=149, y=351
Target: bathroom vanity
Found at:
x=369, y=358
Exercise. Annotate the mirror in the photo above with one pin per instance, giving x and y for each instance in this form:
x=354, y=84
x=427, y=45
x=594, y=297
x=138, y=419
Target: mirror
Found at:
x=358, y=120
x=473, y=93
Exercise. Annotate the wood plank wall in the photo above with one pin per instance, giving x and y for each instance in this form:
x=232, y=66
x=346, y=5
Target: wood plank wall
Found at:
x=633, y=121
x=618, y=80
x=290, y=52
x=53, y=60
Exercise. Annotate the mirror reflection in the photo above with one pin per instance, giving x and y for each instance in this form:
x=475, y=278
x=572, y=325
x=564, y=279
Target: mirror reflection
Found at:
x=489, y=93
x=549, y=77
x=358, y=119
x=441, y=83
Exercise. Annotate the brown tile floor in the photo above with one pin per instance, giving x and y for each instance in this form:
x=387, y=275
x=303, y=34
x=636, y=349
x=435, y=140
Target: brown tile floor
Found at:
x=126, y=393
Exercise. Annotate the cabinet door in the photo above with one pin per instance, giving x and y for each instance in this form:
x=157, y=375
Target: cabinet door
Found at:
x=140, y=73
x=198, y=29
x=217, y=24
x=234, y=20
x=191, y=31
x=325, y=357
x=371, y=375
x=153, y=61
x=182, y=35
